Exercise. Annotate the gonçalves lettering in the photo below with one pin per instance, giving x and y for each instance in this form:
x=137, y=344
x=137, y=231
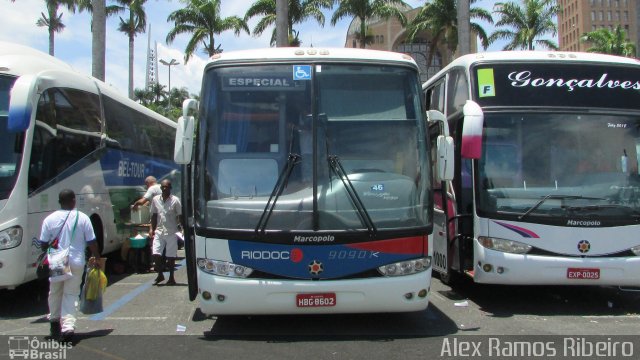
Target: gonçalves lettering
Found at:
x=526, y=78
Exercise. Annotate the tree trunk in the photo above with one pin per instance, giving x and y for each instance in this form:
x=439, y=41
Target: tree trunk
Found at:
x=282, y=23
x=363, y=33
x=51, y=41
x=464, y=28
x=131, y=66
x=98, y=41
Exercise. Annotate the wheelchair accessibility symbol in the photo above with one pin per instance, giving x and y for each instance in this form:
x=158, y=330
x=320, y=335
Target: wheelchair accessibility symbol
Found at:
x=302, y=72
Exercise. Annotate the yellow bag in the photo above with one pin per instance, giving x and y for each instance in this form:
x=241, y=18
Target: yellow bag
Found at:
x=96, y=283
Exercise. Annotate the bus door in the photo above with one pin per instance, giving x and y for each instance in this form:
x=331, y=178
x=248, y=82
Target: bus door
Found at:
x=444, y=214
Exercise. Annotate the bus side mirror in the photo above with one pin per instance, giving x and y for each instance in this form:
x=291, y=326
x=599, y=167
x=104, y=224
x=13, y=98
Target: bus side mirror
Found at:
x=444, y=144
x=184, y=134
x=471, y=146
x=445, y=158
x=20, y=107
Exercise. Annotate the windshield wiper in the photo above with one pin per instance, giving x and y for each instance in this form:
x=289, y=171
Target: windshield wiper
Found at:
x=278, y=188
x=554, y=196
x=336, y=166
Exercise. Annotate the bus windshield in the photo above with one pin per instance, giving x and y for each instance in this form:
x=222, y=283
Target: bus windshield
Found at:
x=331, y=147
x=9, y=147
x=560, y=166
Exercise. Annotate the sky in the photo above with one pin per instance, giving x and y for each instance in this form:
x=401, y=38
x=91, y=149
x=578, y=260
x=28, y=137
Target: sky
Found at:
x=73, y=44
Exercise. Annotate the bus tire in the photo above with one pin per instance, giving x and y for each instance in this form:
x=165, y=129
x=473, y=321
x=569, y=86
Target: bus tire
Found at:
x=450, y=278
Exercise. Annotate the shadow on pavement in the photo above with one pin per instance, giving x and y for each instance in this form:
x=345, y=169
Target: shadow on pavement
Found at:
x=291, y=328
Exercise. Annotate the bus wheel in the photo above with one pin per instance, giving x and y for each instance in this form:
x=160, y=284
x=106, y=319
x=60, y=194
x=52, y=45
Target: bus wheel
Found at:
x=449, y=278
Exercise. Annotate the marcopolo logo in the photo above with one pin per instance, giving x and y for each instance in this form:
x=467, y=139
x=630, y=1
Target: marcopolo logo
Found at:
x=314, y=238
x=583, y=222
x=25, y=347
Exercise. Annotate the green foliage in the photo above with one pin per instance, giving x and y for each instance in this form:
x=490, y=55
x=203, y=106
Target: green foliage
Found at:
x=440, y=18
x=299, y=12
x=614, y=42
x=165, y=103
x=201, y=19
x=523, y=26
x=364, y=10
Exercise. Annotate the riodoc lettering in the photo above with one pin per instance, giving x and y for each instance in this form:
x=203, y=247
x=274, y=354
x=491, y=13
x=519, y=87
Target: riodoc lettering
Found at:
x=526, y=78
x=265, y=255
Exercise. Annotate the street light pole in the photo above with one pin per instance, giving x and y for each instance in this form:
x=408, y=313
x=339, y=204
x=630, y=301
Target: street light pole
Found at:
x=169, y=64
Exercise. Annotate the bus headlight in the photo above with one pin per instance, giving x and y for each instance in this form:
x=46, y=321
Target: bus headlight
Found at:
x=508, y=246
x=10, y=237
x=223, y=268
x=406, y=267
x=636, y=250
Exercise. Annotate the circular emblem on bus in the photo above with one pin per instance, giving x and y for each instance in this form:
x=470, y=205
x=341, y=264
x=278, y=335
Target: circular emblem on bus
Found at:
x=315, y=267
x=584, y=246
x=296, y=255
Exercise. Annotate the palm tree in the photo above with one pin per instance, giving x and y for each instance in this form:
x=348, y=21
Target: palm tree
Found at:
x=134, y=25
x=201, y=18
x=53, y=21
x=367, y=9
x=528, y=24
x=98, y=38
x=158, y=93
x=177, y=96
x=299, y=11
x=614, y=42
x=440, y=18
x=143, y=96
x=99, y=13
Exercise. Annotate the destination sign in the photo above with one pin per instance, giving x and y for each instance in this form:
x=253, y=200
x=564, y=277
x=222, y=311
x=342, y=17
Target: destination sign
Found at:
x=548, y=84
x=260, y=82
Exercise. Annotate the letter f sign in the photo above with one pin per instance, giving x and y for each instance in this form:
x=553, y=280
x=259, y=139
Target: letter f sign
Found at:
x=486, y=84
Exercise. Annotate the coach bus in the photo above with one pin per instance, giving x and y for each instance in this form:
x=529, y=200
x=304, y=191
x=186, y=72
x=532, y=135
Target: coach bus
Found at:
x=546, y=186
x=62, y=129
x=309, y=183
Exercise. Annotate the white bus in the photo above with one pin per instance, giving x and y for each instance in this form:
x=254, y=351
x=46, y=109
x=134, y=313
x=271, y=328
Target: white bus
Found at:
x=546, y=187
x=61, y=129
x=310, y=183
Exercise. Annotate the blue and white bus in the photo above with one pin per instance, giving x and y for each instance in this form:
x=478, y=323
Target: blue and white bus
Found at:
x=309, y=183
x=62, y=129
x=546, y=189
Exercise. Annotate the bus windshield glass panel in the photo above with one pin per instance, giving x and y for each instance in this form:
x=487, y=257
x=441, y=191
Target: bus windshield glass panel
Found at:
x=10, y=142
x=312, y=148
x=559, y=167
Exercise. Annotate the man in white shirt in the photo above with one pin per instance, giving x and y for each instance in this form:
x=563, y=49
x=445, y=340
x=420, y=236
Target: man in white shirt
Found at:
x=166, y=221
x=72, y=229
x=153, y=189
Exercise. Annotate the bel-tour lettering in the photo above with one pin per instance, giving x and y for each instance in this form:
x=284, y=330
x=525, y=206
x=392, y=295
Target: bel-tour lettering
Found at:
x=525, y=78
x=130, y=169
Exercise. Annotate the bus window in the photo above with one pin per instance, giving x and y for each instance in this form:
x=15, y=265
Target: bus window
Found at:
x=9, y=142
x=67, y=129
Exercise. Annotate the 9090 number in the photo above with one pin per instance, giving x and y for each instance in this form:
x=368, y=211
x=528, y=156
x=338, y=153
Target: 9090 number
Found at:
x=352, y=254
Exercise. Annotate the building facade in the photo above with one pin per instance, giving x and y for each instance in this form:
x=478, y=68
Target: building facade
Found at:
x=578, y=17
x=390, y=35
